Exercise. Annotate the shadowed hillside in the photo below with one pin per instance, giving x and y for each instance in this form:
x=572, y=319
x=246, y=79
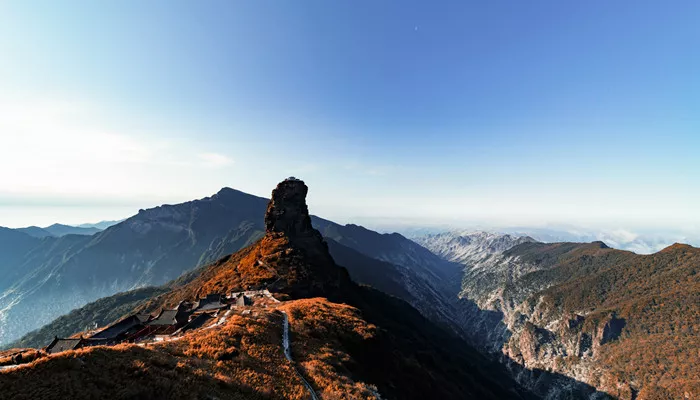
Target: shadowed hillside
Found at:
x=373, y=343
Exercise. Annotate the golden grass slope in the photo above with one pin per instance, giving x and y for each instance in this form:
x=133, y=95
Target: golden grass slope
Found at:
x=241, y=359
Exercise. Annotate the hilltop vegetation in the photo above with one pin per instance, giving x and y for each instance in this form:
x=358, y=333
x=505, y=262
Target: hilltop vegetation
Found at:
x=240, y=360
x=342, y=354
x=658, y=296
x=625, y=323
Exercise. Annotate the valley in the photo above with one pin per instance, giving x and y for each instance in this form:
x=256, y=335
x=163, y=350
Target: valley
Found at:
x=533, y=307
x=499, y=200
x=601, y=316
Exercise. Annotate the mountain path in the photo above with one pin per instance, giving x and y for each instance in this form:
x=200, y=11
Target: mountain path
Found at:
x=288, y=355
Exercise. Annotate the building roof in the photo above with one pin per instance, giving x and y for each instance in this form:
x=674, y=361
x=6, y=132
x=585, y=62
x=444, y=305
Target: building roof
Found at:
x=196, y=323
x=143, y=317
x=59, y=345
x=212, y=297
x=122, y=326
x=177, y=316
x=210, y=303
x=211, y=307
x=166, y=317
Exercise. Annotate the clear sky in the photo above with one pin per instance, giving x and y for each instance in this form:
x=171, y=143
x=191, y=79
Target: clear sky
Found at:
x=494, y=112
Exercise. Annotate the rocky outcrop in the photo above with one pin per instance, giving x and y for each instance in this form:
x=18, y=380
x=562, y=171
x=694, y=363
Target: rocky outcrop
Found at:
x=611, y=330
x=504, y=312
x=287, y=212
x=292, y=261
x=287, y=218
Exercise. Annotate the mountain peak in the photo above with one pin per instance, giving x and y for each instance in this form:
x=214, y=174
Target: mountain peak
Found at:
x=287, y=212
x=677, y=247
x=292, y=257
x=600, y=244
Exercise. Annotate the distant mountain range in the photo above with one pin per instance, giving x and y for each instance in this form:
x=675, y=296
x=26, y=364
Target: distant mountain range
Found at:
x=102, y=225
x=349, y=340
x=54, y=275
x=561, y=316
x=58, y=230
x=624, y=323
x=470, y=247
x=50, y=276
x=638, y=240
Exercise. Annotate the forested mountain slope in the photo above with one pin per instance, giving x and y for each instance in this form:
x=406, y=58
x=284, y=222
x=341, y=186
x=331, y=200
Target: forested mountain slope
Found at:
x=625, y=323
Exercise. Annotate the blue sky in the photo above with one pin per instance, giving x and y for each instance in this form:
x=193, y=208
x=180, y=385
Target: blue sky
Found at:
x=498, y=112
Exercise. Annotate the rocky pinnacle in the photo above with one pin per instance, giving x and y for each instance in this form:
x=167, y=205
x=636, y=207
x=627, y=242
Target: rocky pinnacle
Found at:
x=287, y=212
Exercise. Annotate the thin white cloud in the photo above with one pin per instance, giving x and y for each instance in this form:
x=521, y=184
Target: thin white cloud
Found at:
x=215, y=160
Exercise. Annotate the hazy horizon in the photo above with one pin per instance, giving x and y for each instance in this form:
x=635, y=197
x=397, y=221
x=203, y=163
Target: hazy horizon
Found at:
x=497, y=114
x=642, y=240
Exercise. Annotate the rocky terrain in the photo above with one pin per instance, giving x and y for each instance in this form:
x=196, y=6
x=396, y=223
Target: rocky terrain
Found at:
x=623, y=323
x=348, y=341
x=562, y=317
x=50, y=277
x=470, y=247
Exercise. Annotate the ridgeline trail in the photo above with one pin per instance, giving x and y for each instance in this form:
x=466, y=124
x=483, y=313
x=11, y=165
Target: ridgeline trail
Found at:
x=288, y=354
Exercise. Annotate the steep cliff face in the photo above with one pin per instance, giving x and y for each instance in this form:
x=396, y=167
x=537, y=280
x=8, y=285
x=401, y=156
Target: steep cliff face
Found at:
x=401, y=267
x=292, y=257
x=585, y=311
x=287, y=212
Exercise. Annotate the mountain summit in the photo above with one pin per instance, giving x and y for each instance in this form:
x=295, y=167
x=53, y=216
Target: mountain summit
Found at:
x=287, y=212
x=287, y=218
x=291, y=258
x=348, y=340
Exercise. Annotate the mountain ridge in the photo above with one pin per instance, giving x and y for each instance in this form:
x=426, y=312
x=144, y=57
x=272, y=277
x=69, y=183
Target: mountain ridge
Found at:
x=581, y=309
x=159, y=244
x=380, y=339
x=58, y=230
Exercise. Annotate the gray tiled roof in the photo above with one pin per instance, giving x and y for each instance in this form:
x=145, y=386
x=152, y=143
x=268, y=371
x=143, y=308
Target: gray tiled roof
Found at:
x=166, y=317
x=196, y=323
x=120, y=327
x=59, y=345
x=143, y=317
x=210, y=303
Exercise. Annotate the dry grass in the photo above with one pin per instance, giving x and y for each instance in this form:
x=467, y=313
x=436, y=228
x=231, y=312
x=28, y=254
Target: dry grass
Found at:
x=19, y=356
x=318, y=329
x=242, y=359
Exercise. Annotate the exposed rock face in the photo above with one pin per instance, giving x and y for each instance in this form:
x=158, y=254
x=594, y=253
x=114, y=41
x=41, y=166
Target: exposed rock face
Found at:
x=611, y=330
x=287, y=211
x=470, y=247
x=292, y=257
x=502, y=313
x=287, y=217
x=590, y=314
